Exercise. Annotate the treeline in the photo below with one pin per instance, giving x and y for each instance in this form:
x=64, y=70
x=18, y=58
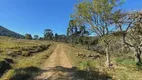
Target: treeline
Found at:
x=48, y=35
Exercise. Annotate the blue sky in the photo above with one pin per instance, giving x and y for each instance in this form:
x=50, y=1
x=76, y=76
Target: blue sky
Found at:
x=33, y=16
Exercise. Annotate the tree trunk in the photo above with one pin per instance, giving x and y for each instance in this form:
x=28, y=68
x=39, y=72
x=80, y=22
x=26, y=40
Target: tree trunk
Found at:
x=138, y=56
x=107, y=57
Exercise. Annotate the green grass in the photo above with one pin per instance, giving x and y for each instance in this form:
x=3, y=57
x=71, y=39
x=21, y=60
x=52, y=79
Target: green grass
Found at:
x=125, y=61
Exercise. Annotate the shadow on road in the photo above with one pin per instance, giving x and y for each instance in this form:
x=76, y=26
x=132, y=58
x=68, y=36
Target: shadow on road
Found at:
x=29, y=73
x=76, y=74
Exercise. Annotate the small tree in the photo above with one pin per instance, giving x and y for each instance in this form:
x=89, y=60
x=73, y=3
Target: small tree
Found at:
x=36, y=37
x=28, y=36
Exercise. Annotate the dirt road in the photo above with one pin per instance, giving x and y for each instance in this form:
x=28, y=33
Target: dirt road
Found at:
x=57, y=67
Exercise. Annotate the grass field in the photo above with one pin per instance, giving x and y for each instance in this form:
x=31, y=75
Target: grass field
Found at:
x=22, y=59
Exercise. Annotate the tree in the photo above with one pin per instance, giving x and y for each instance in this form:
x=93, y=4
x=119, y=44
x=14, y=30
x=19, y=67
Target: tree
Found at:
x=131, y=25
x=72, y=30
x=56, y=37
x=28, y=36
x=97, y=15
x=36, y=37
x=76, y=32
x=62, y=38
x=41, y=38
x=48, y=34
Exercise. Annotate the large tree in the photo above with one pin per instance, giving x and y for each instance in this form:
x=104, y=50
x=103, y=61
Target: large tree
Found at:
x=97, y=15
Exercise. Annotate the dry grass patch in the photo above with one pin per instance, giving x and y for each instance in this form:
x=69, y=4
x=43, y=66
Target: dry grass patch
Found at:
x=23, y=67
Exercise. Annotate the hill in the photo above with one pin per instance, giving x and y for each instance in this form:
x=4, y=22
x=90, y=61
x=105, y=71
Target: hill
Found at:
x=9, y=33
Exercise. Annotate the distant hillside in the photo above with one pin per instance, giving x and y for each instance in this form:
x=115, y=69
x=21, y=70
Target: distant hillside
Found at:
x=9, y=33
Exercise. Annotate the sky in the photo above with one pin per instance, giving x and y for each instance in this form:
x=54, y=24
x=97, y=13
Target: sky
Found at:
x=33, y=16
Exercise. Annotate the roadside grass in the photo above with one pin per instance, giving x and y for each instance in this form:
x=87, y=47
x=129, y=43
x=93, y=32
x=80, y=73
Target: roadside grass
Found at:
x=23, y=67
x=123, y=68
x=93, y=68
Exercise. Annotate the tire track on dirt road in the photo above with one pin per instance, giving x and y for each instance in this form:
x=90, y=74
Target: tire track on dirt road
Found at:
x=57, y=67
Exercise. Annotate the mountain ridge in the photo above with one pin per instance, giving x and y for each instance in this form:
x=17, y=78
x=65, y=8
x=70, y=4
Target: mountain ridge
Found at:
x=6, y=32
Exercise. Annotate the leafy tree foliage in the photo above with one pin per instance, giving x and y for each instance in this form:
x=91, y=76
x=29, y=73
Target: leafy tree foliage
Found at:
x=76, y=32
x=48, y=34
x=36, y=37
